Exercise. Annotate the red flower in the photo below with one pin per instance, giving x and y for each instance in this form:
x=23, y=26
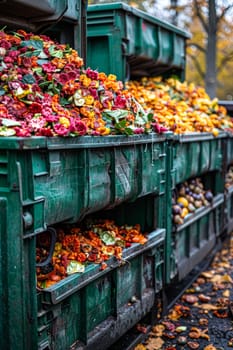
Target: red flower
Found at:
x=81, y=128
x=35, y=108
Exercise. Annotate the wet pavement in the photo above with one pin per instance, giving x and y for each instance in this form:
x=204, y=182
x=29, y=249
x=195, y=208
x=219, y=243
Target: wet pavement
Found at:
x=202, y=317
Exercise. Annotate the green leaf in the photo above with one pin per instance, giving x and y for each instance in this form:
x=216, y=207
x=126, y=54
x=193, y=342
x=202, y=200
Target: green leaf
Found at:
x=31, y=53
x=42, y=55
x=64, y=101
x=116, y=114
x=123, y=129
x=107, y=237
x=6, y=132
x=9, y=122
x=45, y=83
x=28, y=79
x=36, y=44
x=150, y=117
x=2, y=92
x=55, y=53
x=40, y=62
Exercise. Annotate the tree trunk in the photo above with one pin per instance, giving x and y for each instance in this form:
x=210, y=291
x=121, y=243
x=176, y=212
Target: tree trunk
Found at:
x=210, y=77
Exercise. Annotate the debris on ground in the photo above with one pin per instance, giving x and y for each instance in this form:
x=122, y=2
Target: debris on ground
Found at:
x=202, y=318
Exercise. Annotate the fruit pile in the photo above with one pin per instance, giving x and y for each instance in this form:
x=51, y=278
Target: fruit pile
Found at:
x=78, y=246
x=187, y=198
x=229, y=177
x=46, y=91
x=179, y=106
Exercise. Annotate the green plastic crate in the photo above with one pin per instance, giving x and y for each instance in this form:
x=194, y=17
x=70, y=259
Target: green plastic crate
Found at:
x=229, y=150
x=47, y=181
x=33, y=15
x=195, y=154
x=229, y=209
x=129, y=43
x=54, y=180
x=63, y=20
x=195, y=239
x=83, y=308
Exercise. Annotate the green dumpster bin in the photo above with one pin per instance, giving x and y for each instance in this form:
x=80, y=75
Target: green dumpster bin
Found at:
x=129, y=43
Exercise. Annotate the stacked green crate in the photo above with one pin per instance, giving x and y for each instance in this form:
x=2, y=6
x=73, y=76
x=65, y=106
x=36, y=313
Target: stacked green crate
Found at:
x=198, y=155
x=129, y=43
x=229, y=189
x=49, y=181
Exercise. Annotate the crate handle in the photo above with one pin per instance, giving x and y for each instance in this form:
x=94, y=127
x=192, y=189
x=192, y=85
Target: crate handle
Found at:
x=53, y=234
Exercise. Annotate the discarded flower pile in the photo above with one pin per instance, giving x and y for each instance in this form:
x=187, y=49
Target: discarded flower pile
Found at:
x=179, y=106
x=187, y=198
x=202, y=317
x=76, y=247
x=45, y=91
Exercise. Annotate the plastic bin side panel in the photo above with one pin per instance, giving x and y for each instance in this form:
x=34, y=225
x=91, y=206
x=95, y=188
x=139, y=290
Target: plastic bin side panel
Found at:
x=106, y=46
x=104, y=53
x=186, y=160
x=229, y=151
x=194, y=241
x=98, y=301
x=129, y=281
x=229, y=210
x=61, y=325
x=17, y=279
x=73, y=183
x=216, y=154
x=125, y=174
x=152, y=167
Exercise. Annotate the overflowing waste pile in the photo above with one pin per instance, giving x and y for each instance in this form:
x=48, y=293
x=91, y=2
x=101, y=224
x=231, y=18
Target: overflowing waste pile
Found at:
x=78, y=246
x=46, y=91
x=179, y=106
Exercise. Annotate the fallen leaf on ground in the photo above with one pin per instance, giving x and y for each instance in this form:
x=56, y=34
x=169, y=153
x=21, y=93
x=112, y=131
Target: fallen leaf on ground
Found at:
x=155, y=344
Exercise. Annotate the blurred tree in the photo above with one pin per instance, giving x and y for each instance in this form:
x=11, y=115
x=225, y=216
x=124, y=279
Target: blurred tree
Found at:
x=210, y=50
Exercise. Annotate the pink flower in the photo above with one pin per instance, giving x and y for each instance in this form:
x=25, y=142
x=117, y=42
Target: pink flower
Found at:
x=63, y=78
x=61, y=130
x=94, y=93
x=5, y=44
x=8, y=59
x=120, y=102
x=51, y=118
x=14, y=54
x=49, y=67
x=92, y=74
x=139, y=130
x=72, y=75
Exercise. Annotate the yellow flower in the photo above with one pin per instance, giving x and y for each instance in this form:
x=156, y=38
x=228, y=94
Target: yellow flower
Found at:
x=64, y=121
x=20, y=93
x=89, y=99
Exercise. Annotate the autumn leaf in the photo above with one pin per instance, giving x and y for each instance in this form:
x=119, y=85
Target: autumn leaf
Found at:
x=208, y=307
x=221, y=279
x=155, y=344
x=226, y=293
x=158, y=330
x=140, y=347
